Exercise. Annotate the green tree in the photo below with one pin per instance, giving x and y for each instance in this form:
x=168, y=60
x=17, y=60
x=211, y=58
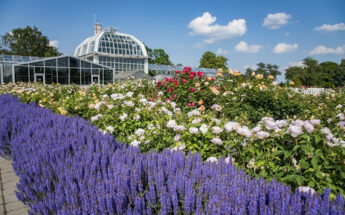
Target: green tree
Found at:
x=328, y=72
x=339, y=77
x=210, y=60
x=295, y=74
x=312, y=72
x=27, y=41
x=265, y=70
x=158, y=56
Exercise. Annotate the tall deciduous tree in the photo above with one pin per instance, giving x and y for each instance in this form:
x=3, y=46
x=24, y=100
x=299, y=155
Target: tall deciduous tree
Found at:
x=210, y=60
x=27, y=41
x=327, y=74
x=158, y=56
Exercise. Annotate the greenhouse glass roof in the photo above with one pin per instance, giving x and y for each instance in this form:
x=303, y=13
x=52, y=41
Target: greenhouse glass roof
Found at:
x=111, y=42
x=65, y=61
x=159, y=67
x=17, y=58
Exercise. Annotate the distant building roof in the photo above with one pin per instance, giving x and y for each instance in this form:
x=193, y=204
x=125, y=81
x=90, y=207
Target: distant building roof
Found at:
x=159, y=67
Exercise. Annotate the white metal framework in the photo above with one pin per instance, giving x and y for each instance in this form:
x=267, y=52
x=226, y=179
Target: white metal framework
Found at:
x=123, y=52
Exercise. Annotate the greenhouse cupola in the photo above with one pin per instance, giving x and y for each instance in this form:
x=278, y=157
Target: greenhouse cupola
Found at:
x=123, y=52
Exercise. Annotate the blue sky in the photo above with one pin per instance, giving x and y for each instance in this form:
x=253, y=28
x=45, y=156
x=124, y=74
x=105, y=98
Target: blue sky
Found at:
x=246, y=32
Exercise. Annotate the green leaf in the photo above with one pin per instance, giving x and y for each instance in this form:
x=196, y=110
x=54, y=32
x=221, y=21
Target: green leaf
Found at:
x=317, y=138
x=304, y=164
x=299, y=180
x=260, y=163
x=311, y=184
x=314, y=162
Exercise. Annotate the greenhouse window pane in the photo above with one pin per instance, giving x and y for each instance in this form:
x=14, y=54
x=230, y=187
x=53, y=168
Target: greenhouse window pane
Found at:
x=63, y=62
x=74, y=62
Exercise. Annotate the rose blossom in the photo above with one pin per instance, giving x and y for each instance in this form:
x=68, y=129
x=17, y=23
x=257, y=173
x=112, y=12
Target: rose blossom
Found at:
x=217, y=141
x=193, y=130
x=217, y=130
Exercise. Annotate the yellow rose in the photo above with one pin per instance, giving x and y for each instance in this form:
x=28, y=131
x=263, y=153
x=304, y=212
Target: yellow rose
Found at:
x=271, y=77
x=202, y=108
x=253, y=74
x=197, y=85
x=292, y=83
x=220, y=74
x=201, y=102
x=91, y=106
x=259, y=76
x=214, y=90
x=231, y=71
x=63, y=112
x=220, y=70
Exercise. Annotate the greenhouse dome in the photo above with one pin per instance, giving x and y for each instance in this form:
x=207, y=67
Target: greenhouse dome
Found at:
x=123, y=52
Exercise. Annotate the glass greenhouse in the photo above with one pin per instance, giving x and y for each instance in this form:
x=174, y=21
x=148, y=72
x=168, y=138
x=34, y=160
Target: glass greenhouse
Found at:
x=106, y=57
x=6, y=65
x=123, y=52
x=63, y=70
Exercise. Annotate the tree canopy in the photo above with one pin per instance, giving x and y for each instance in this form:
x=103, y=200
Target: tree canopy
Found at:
x=265, y=70
x=27, y=41
x=210, y=60
x=158, y=56
x=312, y=74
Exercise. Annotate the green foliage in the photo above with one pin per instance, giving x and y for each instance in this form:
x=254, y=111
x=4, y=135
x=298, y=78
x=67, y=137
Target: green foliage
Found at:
x=158, y=56
x=327, y=74
x=265, y=70
x=210, y=60
x=27, y=42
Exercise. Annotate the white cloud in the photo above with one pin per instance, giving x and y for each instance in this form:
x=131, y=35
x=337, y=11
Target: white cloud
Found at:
x=287, y=33
x=284, y=48
x=298, y=63
x=220, y=51
x=244, y=47
x=336, y=27
x=54, y=43
x=276, y=20
x=324, y=50
x=205, y=26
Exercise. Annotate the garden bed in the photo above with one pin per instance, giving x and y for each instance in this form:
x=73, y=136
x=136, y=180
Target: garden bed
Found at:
x=268, y=130
x=67, y=166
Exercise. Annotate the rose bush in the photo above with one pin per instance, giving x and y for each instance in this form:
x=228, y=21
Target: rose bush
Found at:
x=269, y=130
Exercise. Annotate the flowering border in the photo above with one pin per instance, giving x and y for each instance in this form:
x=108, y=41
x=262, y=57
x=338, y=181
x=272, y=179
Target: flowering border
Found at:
x=67, y=166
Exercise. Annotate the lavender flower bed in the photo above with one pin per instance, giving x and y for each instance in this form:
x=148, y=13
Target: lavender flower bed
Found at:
x=66, y=166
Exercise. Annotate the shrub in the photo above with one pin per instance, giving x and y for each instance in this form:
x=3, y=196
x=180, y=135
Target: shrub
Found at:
x=67, y=166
